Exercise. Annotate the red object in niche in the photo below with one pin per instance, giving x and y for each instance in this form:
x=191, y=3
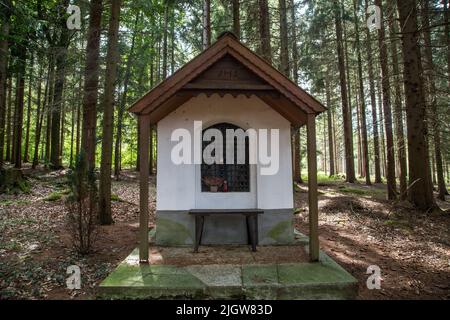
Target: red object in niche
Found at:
x=225, y=186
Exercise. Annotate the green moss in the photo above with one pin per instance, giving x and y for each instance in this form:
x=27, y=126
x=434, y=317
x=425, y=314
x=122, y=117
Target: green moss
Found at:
x=355, y=191
x=282, y=232
x=172, y=233
x=14, y=202
x=54, y=196
x=402, y=224
x=114, y=197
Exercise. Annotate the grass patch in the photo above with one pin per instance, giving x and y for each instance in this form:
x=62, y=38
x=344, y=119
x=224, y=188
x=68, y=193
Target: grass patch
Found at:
x=10, y=202
x=401, y=224
x=324, y=178
x=115, y=197
x=54, y=196
x=360, y=192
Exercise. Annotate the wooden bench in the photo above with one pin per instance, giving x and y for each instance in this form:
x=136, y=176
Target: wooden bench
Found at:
x=251, y=218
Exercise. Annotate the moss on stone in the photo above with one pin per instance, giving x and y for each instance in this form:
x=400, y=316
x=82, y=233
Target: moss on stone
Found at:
x=169, y=232
x=282, y=232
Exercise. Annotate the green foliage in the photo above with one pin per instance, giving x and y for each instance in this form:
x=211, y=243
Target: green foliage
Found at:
x=54, y=196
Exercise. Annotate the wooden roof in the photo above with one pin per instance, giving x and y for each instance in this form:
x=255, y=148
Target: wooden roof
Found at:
x=228, y=67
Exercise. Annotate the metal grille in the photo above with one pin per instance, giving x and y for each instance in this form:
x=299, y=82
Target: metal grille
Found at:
x=236, y=176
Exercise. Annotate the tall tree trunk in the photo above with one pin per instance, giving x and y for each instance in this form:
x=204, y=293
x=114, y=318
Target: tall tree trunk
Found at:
x=4, y=20
x=39, y=115
x=27, y=132
x=284, y=53
x=347, y=116
x=78, y=129
x=429, y=72
x=447, y=35
x=330, y=126
x=91, y=74
x=61, y=56
x=297, y=147
x=49, y=107
x=349, y=84
x=123, y=101
x=386, y=87
x=362, y=106
x=206, y=24
x=382, y=135
x=373, y=103
x=108, y=116
x=294, y=42
x=264, y=30
x=236, y=19
x=63, y=124
x=172, y=40
x=420, y=191
x=72, y=135
x=165, y=36
x=398, y=111
x=18, y=121
x=8, y=121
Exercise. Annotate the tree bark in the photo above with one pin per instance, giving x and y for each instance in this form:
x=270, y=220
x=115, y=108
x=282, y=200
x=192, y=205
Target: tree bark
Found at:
x=362, y=103
x=284, y=53
x=330, y=127
x=447, y=36
x=429, y=73
x=8, y=121
x=91, y=74
x=236, y=19
x=347, y=117
x=386, y=87
x=18, y=121
x=123, y=102
x=61, y=56
x=4, y=53
x=108, y=116
x=294, y=43
x=28, y=123
x=39, y=116
x=373, y=102
x=206, y=24
x=420, y=191
x=264, y=30
x=398, y=109
x=165, y=36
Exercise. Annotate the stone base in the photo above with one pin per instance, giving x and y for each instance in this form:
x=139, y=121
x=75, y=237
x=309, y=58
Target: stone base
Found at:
x=176, y=228
x=284, y=281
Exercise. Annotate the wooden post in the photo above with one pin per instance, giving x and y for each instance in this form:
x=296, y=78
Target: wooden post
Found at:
x=144, y=141
x=312, y=190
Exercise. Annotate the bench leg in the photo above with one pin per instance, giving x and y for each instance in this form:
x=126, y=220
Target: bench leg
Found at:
x=252, y=227
x=199, y=221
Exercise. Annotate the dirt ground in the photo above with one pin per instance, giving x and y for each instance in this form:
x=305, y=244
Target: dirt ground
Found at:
x=227, y=254
x=358, y=228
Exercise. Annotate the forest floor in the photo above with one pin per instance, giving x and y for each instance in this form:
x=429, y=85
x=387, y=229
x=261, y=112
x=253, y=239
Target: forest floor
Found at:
x=358, y=228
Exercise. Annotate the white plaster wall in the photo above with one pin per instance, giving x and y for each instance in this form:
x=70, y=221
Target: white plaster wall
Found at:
x=178, y=186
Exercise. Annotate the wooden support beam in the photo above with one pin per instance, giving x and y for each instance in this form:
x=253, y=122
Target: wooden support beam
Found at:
x=312, y=190
x=144, y=141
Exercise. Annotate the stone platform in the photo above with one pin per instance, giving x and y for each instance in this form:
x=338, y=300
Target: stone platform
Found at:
x=229, y=272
